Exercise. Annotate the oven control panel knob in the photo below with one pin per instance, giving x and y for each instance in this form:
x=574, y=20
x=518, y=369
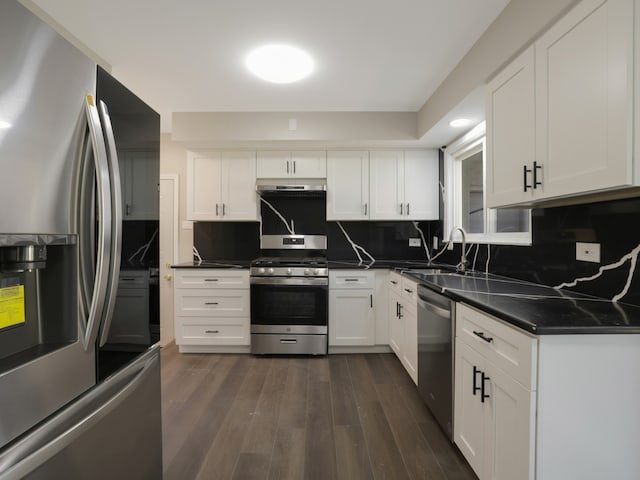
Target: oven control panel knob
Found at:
x=316, y=271
x=271, y=271
x=307, y=271
x=261, y=270
x=289, y=271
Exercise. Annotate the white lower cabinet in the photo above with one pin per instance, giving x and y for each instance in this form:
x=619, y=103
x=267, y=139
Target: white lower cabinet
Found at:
x=494, y=413
x=403, y=322
x=212, y=310
x=352, y=319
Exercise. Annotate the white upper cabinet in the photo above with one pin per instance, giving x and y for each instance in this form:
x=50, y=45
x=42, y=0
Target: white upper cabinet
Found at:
x=510, y=132
x=301, y=164
x=576, y=85
x=348, y=185
x=404, y=185
x=139, y=173
x=221, y=186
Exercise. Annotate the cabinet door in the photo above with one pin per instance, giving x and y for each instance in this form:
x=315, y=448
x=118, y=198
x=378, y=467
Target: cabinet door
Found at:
x=139, y=176
x=396, y=325
x=309, y=164
x=511, y=132
x=421, y=185
x=410, y=345
x=204, y=186
x=583, y=93
x=469, y=411
x=238, y=177
x=348, y=185
x=130, y=323
x=386, y=174
x=511, y=416
x=274, y=164
x=351, y=317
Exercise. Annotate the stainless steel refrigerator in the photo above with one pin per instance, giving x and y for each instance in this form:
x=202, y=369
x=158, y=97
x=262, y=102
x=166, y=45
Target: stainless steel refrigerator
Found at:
x=75, y=400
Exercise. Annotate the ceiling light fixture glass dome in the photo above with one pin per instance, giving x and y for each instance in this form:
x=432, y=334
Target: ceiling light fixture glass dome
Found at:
x=279, y=63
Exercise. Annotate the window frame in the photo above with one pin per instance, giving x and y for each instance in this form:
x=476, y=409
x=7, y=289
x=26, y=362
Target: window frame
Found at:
x=455, y=153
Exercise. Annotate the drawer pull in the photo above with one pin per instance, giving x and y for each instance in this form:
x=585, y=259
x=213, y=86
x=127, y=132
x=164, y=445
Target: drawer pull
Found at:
x=212, y=331
x=484, y=396
x=476, y=371
x=211, y=279
x=394, y=282
x=483, y=336
x=288, y=340
x=211, y=303
x=408, y=290
x=350, y=279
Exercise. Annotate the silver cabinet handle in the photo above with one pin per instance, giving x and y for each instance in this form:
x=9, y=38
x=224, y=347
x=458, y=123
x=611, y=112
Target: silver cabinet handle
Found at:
x=288, y=340
x=371, y=300
x=211, y=303
x=350, y=279
x=211, y=279
x=287, y=167
x=401, y=205
x=407, y=209
x=365, y=209
x=294, y=167
x=217, y=210
x=224, y=207
x=212, y=331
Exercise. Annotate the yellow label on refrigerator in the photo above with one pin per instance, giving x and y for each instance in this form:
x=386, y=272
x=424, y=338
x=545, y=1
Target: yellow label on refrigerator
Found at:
x=11, y=306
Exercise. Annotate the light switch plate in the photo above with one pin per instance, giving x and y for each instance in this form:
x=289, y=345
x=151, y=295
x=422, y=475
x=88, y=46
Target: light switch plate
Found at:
x=415, y=242
x=588, y=252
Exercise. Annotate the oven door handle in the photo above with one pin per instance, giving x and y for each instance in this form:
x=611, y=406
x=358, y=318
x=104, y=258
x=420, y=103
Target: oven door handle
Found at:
x=289, y=281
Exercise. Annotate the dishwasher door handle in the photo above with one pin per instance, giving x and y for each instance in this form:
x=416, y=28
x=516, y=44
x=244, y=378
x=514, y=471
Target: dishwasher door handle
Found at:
x=441, y=312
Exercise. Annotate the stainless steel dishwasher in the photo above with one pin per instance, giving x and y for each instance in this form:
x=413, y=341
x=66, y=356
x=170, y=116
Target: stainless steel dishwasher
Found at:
x=436, y=335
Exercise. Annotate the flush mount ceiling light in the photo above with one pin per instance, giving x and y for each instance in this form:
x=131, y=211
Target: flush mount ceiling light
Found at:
x=460, y=122
x=4, y=125
x=279, y=63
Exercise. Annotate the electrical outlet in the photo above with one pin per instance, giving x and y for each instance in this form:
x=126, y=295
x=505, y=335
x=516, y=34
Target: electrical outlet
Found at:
x=588, y=252
x=415, y=242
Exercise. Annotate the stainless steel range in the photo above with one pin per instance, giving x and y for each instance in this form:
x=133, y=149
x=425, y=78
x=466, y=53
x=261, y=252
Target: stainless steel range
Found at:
x=289, y=296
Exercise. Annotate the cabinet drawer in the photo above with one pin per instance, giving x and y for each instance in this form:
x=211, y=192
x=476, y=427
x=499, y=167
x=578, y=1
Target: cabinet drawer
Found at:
x=352, y=279
x=204, y=302
x=232, y=332
x=133, y=279
x=410, y=290
x=512, y=351
x=395, y=282
x=212, y=278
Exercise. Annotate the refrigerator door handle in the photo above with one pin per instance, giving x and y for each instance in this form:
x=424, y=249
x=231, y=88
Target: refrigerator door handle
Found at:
x=116, y=222
x=72, y=422
x=103, y=193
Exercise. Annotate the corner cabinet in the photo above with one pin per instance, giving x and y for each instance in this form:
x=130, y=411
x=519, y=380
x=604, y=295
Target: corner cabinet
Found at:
x=382, y=185
x=300, y=164
x=221, y=186
x=403, y=322
x=212, y=310
x=404, y=185
x=559, y=120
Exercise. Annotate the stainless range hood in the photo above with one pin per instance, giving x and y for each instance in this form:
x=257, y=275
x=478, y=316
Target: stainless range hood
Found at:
x=296, y=185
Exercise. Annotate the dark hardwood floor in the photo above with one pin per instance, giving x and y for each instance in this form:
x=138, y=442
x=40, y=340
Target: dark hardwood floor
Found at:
x=339, y=416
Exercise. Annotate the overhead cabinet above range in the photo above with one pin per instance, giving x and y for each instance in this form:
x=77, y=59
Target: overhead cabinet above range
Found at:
x=221, y=186
x=559, y=120
x=303, y=164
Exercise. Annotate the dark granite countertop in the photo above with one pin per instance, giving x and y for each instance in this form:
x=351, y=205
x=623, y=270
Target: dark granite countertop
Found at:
x=538, y=309
x=366, y=265
x=214, y=264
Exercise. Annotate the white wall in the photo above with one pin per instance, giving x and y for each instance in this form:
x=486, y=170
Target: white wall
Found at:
x=173, y=160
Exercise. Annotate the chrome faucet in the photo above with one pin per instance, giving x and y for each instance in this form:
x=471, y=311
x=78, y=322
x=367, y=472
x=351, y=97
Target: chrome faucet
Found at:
x=462, y=266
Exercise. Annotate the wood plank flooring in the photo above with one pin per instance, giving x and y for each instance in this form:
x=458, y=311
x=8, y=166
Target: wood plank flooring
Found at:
x=335, y=417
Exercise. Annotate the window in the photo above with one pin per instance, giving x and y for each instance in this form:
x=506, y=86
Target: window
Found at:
x=465, y=197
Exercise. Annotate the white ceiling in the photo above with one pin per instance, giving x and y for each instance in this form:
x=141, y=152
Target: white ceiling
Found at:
x=187, y=55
